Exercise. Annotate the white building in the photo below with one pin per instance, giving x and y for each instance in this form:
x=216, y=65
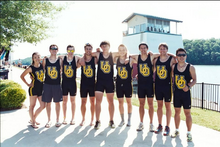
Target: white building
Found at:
x=153, y=30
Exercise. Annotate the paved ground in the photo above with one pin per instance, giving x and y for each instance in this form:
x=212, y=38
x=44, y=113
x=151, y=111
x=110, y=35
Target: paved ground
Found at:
x=15, y=130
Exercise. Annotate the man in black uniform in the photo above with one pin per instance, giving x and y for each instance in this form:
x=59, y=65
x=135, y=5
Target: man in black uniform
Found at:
x=105, y=81
x=145, y=83
x=87, y=84
x=52, y=87
x=162, y=70
x=70, y=65
x=184, y=75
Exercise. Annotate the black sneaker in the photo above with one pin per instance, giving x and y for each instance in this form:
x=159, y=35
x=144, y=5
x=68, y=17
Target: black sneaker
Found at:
x=111, y=124
x=159, y=129
x=166, y=131
x=97, y=125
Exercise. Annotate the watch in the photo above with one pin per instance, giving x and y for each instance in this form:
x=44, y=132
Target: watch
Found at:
x=189, y=87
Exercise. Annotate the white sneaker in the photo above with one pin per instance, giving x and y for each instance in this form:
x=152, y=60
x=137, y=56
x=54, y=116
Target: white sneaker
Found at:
x=140, y=127
x=151, y=128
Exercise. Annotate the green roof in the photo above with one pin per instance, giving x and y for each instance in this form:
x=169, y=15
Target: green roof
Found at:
x=149, y=16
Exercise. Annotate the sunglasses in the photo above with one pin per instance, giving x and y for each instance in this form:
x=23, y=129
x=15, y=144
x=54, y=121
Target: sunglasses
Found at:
x=179, y=55
x=70, y=51
x=88, y=48
x=54, y=48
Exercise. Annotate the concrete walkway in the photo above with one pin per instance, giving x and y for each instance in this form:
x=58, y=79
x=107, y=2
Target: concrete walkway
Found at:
x=16, y=131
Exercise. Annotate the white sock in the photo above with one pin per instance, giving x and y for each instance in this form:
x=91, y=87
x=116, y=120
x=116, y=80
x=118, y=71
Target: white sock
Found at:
x=177, y=130
x=188, y=132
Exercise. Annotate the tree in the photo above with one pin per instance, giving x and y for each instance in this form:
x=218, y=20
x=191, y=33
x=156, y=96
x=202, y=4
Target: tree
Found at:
x=26, y=21
x=203, y=52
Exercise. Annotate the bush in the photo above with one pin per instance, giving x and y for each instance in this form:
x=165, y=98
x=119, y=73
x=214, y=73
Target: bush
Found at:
x=8, y=83
x=11, y=95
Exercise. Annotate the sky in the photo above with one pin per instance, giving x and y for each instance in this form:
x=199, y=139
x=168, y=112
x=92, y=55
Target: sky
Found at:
x=94, y=21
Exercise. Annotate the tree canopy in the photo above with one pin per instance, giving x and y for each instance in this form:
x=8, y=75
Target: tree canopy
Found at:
x=203, y=52
x=26, y=21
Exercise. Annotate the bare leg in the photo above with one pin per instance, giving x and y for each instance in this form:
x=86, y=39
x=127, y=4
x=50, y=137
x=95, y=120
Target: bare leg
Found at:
x=188, y=119
x=57, y=110
x=129, y=111
x=42, y=106
x=160, y=111
x=129, y=105
x=98, y=95
x=65, y=98
x=141, y=108
x=83, y=110
x=151, y=109
x=31, y=109
x=111, y=106
x=48, y=108
x=177, y=117
x=73, y=106
x=92, y=109
x=121, y=105
x=168, y=112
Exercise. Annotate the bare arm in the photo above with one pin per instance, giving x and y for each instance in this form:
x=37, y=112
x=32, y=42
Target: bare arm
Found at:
x=193, y=74
x=61, y=64
x=28, y=70
x=154, y=64
x=44, y=63
x=135, y=57
x=172, y=73
x=173, y=61
x=115, y=60
x=77, y=59
x=132, y=61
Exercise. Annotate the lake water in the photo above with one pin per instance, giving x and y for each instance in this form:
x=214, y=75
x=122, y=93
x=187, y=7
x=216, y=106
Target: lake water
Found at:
x=205, y=73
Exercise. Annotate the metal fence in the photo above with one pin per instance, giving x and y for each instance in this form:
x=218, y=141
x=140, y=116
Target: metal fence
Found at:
x=204, y=95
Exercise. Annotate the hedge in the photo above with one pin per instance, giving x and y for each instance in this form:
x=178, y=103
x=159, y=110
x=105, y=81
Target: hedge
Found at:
x=12, y=95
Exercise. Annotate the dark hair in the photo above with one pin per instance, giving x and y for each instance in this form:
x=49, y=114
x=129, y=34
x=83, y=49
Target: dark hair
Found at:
x=53, y=45
x=104, y=43
x=70, y=46
x=142, y=43
x=180, y=50
x=87, y=44
x=35, y=53
x=164, y=45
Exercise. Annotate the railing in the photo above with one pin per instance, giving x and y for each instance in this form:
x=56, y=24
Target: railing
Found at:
x=204, y=95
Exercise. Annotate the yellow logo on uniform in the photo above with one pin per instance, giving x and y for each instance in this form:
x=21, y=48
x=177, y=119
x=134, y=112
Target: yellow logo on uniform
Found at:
x=122, y=72
x=87, y=70
x=180, y=81
x=52, y=73
x=68, y=71
x=105, y=66
x=40, y=75
x=162, y=71
x=144, y=70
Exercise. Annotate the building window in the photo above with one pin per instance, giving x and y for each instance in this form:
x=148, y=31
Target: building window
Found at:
x=166, y=26
x=158, y=25
x=143, y=27
x=130, y=30
x=150, y=24
x=137, y=28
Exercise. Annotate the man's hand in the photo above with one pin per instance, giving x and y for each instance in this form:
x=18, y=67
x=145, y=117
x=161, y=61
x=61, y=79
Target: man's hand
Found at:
x=98, y=50
x=82, y=62
x=126, y=61
x=186, y=88
x=136, y=76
